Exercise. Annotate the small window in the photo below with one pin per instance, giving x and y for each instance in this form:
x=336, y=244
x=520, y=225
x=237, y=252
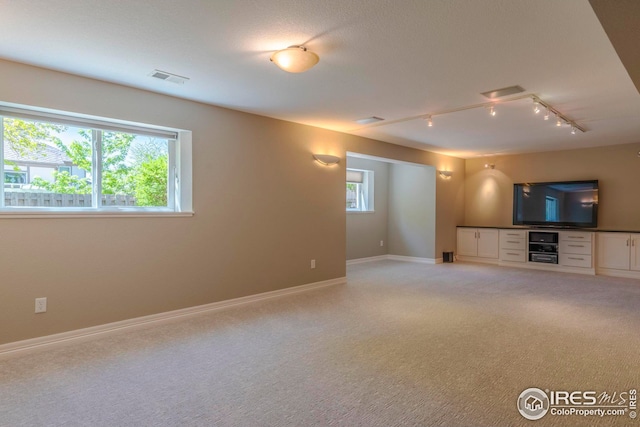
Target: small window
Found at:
x=359, y=190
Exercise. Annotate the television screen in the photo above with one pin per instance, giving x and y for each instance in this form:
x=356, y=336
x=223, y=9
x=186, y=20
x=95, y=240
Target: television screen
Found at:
x=556, y=204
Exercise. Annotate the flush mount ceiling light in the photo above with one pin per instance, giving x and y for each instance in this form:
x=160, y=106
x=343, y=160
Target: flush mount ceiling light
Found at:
x=295, y=59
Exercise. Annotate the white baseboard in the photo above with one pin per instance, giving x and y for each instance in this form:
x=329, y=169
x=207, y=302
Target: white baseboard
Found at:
x=369, y=259
x=477, y=259
x=395, y=258
x=91, y=332
x=413, y=259
x=629, y=274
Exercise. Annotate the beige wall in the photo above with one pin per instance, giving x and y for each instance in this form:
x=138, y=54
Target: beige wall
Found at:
x=489, y=193
x=263, y=210
x=366, y=229
x=412, y=211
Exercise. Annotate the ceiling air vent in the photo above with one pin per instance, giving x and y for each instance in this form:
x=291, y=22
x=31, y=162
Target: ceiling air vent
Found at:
x=168, y=77
x=369, y=120
x=499, y=93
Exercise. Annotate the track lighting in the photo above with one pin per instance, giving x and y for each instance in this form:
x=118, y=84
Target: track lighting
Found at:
x=538, y=105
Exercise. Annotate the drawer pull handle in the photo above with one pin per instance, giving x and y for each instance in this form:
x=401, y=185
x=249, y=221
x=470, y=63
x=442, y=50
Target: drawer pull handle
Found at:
x=575, y=237
x=511, y=253
x=577, y=259
x=576, y=246
x=511, y=241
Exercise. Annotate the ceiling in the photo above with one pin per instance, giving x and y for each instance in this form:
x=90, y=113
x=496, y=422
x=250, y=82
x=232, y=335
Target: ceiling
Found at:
x=396, y=59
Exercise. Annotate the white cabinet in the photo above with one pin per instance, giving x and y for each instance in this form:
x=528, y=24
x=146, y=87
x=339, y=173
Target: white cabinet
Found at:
x=575, y=249
x=479, y=244
x=619, y=251
x=513, y=246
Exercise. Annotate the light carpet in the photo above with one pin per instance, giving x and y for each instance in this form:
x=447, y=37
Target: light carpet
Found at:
x=401, y=344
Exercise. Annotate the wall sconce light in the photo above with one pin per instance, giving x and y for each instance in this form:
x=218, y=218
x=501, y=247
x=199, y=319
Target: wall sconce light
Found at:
x=295, y=59
x=445, y=174
x=489, y=166
x=326, y=159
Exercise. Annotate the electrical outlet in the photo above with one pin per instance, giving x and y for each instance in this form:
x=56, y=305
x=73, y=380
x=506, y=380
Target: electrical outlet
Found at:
x=313, y=263
x=41, y=305
x=381, y=242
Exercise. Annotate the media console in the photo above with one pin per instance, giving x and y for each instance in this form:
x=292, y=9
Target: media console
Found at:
x=561, y=250
x=603, y=252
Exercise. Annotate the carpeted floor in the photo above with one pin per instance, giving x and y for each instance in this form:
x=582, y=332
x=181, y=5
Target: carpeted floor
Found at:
x=401, y=344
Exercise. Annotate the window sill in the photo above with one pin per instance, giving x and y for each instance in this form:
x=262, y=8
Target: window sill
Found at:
x=96, y=214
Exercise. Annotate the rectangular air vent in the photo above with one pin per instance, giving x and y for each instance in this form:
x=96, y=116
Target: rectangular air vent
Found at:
x=369, y=120
x=499, y=93
x=169, y=77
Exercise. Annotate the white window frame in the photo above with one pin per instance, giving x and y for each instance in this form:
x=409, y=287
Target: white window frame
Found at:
x=365, y=191
x=179, y=180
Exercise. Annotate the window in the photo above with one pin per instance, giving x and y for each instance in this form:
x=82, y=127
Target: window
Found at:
x=359, y=190
x=54, y=163
x=13, y=178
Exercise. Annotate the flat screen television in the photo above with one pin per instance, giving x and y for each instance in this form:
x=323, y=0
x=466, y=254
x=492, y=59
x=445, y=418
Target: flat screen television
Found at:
x=556, y=204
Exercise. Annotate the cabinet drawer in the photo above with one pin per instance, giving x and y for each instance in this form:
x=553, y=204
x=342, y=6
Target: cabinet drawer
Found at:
x=512, y=239
x=513, y=255
x=575, y=236
x=513, y=233
x=573, y=260
x=512, y=243
x=570, y=247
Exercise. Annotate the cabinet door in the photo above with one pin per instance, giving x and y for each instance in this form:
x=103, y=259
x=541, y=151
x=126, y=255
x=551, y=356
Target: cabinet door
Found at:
x=613, y=250
x=488, y=243
x=635, y=252
x=467, y=241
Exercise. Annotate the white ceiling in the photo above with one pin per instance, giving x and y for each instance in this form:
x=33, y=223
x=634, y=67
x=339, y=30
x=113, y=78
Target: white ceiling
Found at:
x=394, y=59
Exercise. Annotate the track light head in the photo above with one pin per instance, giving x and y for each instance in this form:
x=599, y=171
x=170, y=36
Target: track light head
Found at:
x=429, y=121
x=536, y=106
x=547, y=114
x=492, y=111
